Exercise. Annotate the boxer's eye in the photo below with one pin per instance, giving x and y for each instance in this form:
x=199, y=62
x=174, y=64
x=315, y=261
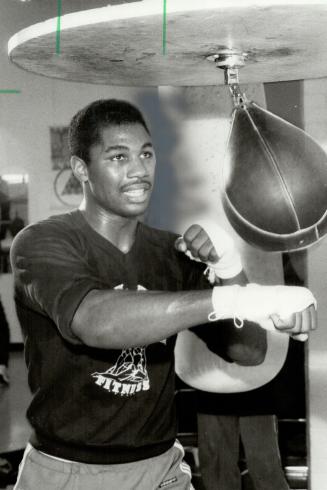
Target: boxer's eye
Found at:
x=119, y=157
x=147, y=154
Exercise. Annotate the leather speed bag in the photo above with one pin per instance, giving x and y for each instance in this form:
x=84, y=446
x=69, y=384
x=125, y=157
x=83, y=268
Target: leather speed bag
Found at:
x=275, y=181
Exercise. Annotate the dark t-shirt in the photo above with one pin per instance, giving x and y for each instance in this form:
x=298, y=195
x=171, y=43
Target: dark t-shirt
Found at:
x=94, y=405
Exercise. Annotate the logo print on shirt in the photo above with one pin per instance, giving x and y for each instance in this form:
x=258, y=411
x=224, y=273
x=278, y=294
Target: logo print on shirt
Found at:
x=129, y=374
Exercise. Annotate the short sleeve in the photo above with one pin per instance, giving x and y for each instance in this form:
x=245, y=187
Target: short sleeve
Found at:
x=51, y=275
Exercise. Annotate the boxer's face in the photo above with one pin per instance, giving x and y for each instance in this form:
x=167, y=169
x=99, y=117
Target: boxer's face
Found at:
x=121, y=170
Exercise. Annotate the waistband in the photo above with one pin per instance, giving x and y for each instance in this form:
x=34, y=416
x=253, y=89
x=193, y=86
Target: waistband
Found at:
x=96, y=454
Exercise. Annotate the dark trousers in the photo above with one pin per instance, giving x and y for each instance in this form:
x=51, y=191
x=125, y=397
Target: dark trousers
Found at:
x=4, y=337
x=219, y=438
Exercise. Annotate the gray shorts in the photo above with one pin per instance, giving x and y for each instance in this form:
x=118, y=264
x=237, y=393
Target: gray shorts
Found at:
x=167, y=471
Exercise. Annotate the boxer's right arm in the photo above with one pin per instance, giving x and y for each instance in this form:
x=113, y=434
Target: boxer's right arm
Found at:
x=52, y=278
x=119, y=319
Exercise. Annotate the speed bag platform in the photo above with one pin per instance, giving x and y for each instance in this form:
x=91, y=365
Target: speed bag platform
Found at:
x=275, y=181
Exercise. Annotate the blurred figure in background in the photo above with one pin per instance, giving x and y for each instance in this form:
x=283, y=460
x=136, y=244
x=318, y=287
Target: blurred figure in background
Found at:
x=4, y=347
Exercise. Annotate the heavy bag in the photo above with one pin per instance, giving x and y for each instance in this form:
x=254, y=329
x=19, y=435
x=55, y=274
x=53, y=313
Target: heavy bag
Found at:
x=275, y=181
x=203, y=369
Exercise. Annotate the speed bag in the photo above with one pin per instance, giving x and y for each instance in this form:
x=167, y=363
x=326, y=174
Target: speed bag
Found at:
x=275, y=181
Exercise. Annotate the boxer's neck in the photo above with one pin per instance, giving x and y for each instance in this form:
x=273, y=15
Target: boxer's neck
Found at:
x=120, y=231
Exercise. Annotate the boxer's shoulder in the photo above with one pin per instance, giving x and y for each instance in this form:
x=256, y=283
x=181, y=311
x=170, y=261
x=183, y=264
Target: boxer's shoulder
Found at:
x=54, y=229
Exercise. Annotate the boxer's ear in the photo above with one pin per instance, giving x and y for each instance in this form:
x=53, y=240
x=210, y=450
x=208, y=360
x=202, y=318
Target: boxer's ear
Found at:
x=79, y=169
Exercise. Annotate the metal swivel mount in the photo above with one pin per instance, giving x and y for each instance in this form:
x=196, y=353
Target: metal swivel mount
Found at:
x=231, y=61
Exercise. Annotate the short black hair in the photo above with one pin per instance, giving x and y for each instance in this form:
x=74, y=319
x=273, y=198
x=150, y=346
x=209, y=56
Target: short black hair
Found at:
x=86, y=126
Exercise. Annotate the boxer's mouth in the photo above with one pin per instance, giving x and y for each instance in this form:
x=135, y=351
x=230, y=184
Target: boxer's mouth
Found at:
x=137, y=192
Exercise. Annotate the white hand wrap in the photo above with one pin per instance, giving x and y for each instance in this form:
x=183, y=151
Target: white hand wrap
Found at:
x=229, y=263
x=256, y=303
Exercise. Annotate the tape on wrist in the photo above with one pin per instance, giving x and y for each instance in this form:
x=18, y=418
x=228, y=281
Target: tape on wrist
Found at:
x=230, y=264
x=230, y=294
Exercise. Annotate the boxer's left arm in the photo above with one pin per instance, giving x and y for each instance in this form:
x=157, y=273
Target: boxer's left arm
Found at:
x=248, y=345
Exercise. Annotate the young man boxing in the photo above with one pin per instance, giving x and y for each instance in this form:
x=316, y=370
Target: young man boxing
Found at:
x=101, y=297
